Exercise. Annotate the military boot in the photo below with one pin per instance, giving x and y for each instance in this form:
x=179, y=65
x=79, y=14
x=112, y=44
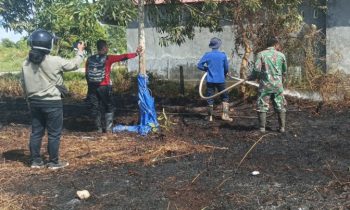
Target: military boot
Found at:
x=98, y=123
x=210, y=113
x=225, y=110
x=109, y=122
x=262, y=121
x=282, y=121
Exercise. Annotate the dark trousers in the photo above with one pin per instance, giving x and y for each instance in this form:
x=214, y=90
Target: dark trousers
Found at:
x=100, y=98
x=211, y=90
x=52, y=120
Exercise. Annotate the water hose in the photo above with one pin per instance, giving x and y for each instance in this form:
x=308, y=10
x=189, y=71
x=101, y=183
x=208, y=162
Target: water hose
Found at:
x=314, y=96
x=240, y=81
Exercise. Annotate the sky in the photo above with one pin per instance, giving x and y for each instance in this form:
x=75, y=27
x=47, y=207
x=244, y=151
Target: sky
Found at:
x=10, y=34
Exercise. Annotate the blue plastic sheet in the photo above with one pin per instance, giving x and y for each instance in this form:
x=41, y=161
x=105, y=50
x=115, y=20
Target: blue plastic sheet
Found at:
x=148, y=115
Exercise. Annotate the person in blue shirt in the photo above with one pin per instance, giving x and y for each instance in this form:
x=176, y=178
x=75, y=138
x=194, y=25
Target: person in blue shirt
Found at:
x=216, y=65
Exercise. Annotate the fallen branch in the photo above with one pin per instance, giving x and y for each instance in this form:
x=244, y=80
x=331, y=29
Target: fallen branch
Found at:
x=166, y=158
x=223, y=182
x=335, y=176
x=246, y=154
x=195, y=178
x=213, y=147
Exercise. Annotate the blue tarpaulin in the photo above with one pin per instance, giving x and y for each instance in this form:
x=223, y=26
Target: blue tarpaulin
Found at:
x=148, y=115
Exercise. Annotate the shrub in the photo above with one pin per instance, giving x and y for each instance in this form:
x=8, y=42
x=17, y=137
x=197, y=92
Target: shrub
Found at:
x=5, y=42
x=122, y=79
x=73, y=76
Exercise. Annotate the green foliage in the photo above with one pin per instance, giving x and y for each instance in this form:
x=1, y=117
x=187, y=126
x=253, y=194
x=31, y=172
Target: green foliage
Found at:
x=178, y=21
x=77, y=88
x=22, y=45
x=73, y=76
x=253, y=20
x=122, y=79
x=70, y=20
x=16, y=14
x=118, y=13
x=117, y=39
x=7, y=43
x=164, y=121
x=11, y=58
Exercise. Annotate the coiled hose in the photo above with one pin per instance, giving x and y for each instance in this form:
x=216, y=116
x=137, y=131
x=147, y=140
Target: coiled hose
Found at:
x=240, y=81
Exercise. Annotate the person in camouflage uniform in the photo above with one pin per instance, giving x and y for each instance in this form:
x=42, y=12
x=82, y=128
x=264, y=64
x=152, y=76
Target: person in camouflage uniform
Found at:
x=270, y=69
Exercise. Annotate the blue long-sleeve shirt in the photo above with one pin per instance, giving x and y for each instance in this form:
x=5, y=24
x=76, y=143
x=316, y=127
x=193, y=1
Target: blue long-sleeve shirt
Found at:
x=215, y=63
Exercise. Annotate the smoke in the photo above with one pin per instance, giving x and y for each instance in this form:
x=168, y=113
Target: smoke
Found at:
x=313, y=96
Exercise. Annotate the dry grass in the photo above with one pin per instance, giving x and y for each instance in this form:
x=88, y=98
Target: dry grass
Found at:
x=172, y=149
x=77, y=88
x=332, y=85
x=10, y=86
x=82, y=150
x=9, y=201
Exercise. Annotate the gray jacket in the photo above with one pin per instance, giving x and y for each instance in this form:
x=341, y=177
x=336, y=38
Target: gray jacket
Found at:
x=39, y=81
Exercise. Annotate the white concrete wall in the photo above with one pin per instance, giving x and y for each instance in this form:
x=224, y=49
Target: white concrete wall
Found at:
x=338, y=35
x=166, y=61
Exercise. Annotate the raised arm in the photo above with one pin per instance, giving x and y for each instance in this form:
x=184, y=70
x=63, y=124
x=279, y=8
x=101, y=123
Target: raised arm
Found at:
x=123, y=57
x=73, y=64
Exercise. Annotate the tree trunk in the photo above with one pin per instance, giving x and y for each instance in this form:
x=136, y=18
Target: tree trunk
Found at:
x=141, y=36
x=245, y=61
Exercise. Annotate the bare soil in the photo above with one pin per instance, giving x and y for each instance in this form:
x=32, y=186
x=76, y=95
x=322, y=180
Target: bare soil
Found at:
x=189, y=164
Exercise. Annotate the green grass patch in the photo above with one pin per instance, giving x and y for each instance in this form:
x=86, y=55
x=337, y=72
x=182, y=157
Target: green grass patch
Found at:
x=124, y=82
x=73, y=76
x=11, y=59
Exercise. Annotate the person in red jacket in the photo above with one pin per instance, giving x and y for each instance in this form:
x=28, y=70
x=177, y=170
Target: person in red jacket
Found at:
x=98, y=71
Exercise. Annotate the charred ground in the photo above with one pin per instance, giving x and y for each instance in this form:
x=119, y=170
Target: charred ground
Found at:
x=190, y=164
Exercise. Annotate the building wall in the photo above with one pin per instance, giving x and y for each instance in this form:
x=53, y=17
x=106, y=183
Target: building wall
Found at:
x=166, y=61
x=338, y=35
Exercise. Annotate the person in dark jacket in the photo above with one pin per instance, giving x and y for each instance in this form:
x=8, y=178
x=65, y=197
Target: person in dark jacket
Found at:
x=100, y=91
x=216, y=65
x=42, y=77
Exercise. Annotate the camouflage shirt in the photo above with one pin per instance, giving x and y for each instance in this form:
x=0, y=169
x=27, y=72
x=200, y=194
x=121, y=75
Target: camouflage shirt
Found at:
x=270, y=67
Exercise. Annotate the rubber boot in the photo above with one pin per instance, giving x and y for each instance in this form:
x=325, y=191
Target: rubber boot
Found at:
x=282, y=121
x=98, y=123
x=262, y=121
x=225, y=111
x=109, y=122
x=210, y=113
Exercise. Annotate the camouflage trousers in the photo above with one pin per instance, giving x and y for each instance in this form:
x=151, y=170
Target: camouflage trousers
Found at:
x=278, y=101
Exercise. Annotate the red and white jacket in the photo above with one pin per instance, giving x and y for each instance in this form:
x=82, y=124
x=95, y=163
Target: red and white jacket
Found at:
x=109, y=61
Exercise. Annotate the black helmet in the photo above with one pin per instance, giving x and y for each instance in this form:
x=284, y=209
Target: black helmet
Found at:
x=41, y=40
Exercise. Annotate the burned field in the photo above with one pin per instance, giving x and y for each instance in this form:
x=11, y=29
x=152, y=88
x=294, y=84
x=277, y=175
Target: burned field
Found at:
x=190, y=164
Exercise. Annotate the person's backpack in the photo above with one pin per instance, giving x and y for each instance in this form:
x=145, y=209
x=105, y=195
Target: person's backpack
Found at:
x=96, y=68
